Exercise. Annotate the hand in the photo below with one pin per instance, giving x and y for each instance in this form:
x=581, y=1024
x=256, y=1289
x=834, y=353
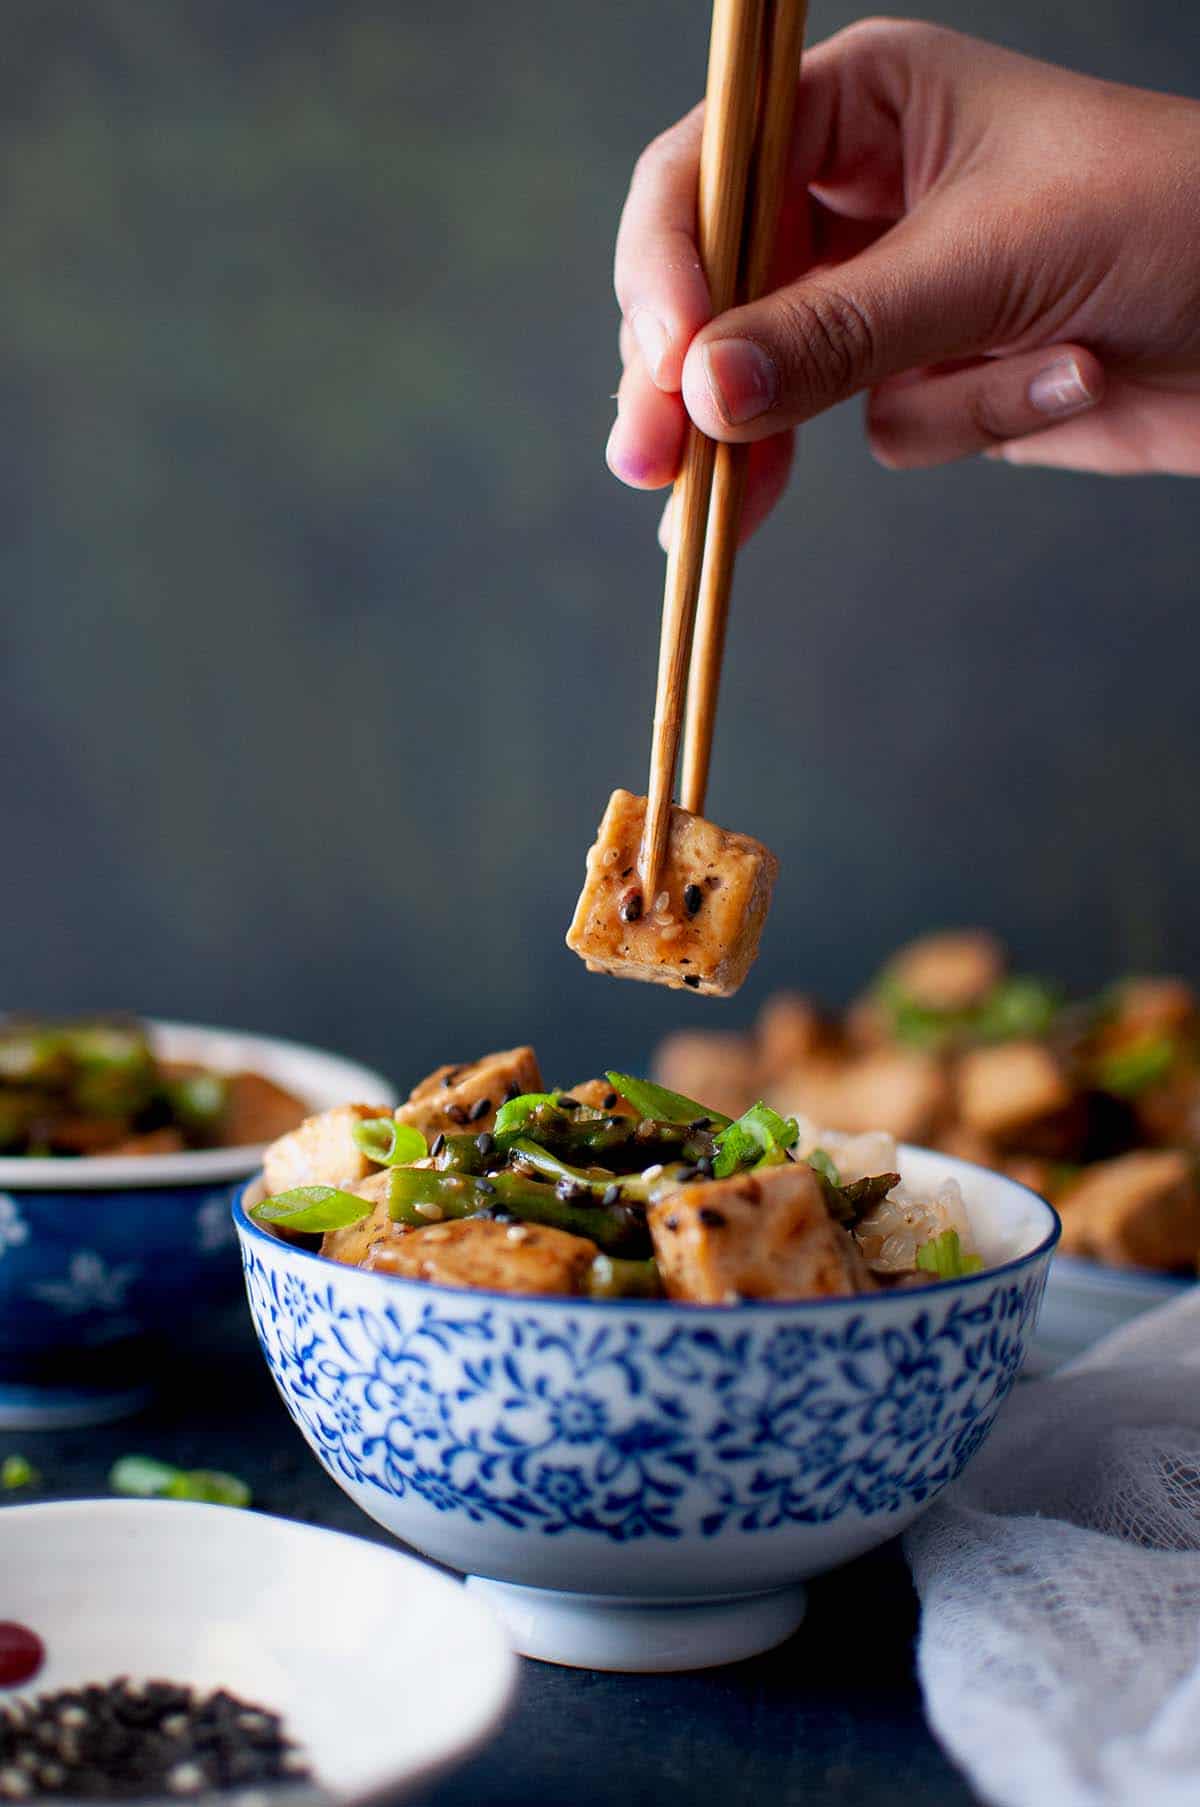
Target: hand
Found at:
x=1005, y=255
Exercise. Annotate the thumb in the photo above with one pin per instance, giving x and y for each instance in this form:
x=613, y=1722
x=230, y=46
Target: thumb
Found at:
x=917, y=296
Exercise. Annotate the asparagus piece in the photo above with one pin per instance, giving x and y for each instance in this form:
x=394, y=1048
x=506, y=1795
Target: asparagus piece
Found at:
x=419, y=1196
x=609, y=1141
x=612, y=1278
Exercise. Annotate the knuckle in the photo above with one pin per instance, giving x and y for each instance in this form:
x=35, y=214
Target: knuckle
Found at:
x=830, y=344
x=987, y=418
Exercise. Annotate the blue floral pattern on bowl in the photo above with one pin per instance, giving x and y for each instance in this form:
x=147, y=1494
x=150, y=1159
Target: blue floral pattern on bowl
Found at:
x=631, y=1423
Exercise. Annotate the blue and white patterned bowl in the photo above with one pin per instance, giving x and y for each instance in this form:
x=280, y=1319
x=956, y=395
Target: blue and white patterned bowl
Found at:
x=646, y=1485
x=105, y=1260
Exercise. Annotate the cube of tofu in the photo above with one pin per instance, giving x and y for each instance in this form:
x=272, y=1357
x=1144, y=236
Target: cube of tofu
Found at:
x=702, y=929
x=901, y=1090
x=352, y=1245
x=456, y=1098
x=322, y=1152
x=598, y=1095
x=790, y=1030
x=257, y=1110
x=762, y=1235
x=716, y=1067
x=1006, y=1090
x=508, y=1258
x=1140, y=1210
x=949, y=971
x=1154, y=1006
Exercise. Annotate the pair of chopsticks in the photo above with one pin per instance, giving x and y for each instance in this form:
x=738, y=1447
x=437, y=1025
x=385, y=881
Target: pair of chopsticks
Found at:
x=753, y=66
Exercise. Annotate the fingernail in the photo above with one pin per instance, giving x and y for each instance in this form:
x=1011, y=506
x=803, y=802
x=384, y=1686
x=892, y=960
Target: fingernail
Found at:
x=743, y=380
x=664, y=525
x=1060, y=389
x=652, y=337
x=622, y=462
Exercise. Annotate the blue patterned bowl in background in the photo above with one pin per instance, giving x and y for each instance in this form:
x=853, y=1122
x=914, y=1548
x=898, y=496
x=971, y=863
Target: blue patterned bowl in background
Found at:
x=641, y=1484
x=105, y=1261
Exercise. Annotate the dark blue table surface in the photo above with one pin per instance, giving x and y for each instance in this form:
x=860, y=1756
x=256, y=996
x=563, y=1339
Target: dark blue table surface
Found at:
x=833, y=1716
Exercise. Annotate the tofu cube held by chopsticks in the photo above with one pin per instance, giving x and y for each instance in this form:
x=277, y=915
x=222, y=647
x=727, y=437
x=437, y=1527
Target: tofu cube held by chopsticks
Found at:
x=701, y=930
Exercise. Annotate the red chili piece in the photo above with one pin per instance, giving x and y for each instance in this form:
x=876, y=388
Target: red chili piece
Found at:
x=22, y=1654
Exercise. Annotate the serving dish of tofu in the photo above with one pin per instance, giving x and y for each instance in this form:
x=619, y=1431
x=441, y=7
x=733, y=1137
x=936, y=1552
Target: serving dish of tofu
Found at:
x=618, y=1187
x=1095, y=1104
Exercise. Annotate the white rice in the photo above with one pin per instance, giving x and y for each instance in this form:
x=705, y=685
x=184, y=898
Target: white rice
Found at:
x=890, y=1235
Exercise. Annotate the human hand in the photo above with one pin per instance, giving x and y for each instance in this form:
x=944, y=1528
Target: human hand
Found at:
x=1004, y=255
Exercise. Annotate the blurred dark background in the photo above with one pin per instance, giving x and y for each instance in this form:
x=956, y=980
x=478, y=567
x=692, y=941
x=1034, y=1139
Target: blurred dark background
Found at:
x=326, y=633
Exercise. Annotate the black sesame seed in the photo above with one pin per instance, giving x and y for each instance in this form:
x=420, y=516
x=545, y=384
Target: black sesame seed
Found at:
x=627, y=871
x=567, y=1103
x=609, y=1101
x=685, y=1174
x=612, y=1196
x=438, y=1143
x=693, y=897
x=456, y=1113
x=485, y=1142
x=479, y=1109
x=486, y=1187
x=631, y=907
x=692, y=979
x=671, y=1222
x=698, y=1124
x=712, y=1220
x=452, y=1077
x=704, y=1168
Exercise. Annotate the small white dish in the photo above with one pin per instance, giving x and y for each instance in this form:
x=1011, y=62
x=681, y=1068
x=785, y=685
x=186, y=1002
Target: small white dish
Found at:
x=1085, y=1300
x=386, y=1673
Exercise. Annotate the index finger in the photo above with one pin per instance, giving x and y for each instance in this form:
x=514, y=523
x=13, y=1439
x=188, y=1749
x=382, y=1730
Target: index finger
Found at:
x=659, y=279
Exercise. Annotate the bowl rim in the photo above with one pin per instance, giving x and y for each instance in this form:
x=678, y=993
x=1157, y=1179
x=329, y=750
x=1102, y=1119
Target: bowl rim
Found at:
x=249, y=1231
x=197, y=1166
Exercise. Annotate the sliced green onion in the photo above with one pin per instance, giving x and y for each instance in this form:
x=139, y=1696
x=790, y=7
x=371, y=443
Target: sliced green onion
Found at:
x=760, y=1136
x=145, y=1478
x=312, y=1209
x=514, y=1113
x=651, y=1100
x=943, y=1255
x=1136, y=1067
x=388, y=1143
x=18, y=1471
x=818, y=1159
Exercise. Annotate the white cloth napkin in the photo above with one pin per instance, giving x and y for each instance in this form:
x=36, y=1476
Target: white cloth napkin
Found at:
x=1059, y=1648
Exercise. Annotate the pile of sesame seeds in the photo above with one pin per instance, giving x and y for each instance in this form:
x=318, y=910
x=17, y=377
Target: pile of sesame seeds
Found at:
x=124, y=1739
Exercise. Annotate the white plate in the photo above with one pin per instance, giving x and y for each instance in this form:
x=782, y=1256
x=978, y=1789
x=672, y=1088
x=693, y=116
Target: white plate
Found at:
x=387, y=1673
x=1084, y=1300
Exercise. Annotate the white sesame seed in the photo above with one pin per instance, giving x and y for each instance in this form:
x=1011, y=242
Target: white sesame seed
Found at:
x=653, y=1173
x=185, y=1778
x=518, y=1233
x=428, y=1207
x=15, y=1784
x=669, y=932
x=175, y=1725
x=662, y=903
x=611, y=855
x=72, y=1716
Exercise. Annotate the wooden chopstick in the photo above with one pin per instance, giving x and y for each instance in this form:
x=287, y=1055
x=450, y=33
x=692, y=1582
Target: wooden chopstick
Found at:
x=783, y=43
x=730, y=119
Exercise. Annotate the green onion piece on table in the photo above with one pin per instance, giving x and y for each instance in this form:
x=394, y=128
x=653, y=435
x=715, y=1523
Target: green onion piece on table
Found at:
x=145, y=1478
x=18, y=1471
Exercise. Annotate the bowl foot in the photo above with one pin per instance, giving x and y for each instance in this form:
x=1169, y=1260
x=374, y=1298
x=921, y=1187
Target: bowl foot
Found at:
x=596, y=1631
x=61, y=1408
